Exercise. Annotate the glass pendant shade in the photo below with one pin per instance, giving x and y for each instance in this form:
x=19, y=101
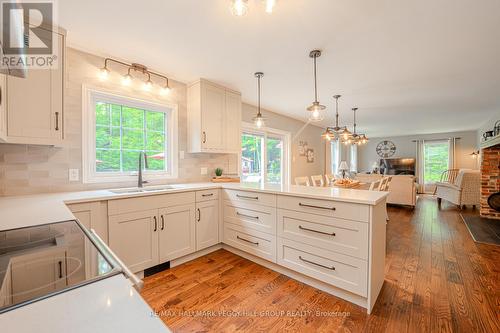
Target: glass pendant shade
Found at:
x=259, y=121
x=239, y=7
x=346, y=134
x=316, y=110
x=103, y=73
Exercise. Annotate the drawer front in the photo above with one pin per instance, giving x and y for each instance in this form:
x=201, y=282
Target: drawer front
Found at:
x=261, y=218
x=336, y=269
x=134, y=204
x=329, y=233
x=207, y=195
x=264, y=199
x=254, y=242
x=344, y=210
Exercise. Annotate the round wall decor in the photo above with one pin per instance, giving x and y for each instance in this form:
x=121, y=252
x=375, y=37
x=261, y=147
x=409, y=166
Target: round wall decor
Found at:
x=386, y=149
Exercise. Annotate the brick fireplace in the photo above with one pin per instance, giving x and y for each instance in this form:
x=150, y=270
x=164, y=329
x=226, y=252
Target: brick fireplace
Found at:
x=490, y=179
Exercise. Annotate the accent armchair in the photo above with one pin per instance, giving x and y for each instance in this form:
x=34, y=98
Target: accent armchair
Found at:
x=465, y=190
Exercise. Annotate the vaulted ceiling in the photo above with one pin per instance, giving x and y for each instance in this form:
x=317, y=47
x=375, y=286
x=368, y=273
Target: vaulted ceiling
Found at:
x=410, y=66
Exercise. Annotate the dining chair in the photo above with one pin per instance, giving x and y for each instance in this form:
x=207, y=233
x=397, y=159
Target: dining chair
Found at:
x=304, y=181
x=330, y=179
x=318, y=181
x=374, y=186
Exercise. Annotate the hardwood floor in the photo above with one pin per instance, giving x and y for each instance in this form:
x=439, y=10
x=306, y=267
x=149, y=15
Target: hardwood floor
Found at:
x=437, y=280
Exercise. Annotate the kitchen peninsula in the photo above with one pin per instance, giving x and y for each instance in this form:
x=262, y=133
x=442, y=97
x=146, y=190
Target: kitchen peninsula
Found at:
x=330, y=238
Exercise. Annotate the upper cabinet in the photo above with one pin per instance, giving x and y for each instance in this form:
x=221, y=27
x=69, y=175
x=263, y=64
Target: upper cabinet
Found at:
x=33, y=107
x=214, y=118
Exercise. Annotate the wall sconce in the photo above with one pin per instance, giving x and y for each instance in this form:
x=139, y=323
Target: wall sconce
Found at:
x=128, y=78
x=474, y=154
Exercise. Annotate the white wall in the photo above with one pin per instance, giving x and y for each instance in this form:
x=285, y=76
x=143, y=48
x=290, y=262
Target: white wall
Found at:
x=405, y=148
x=299, y=132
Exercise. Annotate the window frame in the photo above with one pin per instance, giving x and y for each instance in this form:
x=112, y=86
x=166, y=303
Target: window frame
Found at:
x=434, y=142
x=271, y=132
x=335, y=158
x=93, y=95
x=353, y=158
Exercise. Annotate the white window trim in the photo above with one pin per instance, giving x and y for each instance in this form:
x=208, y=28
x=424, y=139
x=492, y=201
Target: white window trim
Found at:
x=89, y=175
x=252, y=129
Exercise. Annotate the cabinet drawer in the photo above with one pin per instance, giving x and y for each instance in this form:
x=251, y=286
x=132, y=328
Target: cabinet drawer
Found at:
x=333, y=268
x=134, y=204
x=264, y=199
x=261, y=218
x=345, y=210
x=329, y=233
x=254, y=242
x=207, y=195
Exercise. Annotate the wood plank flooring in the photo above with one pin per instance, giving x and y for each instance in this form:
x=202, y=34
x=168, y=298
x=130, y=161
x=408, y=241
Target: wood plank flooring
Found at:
x=437, y=280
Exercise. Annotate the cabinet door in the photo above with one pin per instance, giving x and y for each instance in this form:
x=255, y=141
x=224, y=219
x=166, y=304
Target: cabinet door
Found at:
x=207, y=224
x=3, y=109
x=36, y=274
x=213, y=105
x=35, y=104
x=233, y=121
x=177, y=232
x=134, y=238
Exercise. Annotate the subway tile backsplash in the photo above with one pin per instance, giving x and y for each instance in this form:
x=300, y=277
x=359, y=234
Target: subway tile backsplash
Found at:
x=29, y=169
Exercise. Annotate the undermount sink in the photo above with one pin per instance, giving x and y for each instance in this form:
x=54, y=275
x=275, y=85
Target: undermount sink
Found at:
x=144, y=189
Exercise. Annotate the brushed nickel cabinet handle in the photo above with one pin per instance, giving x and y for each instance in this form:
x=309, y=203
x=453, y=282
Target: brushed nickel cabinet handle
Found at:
x=313, y=206
x=207, y=195
x=319, y=232
x=156, y=224
x=246, y=197
x=315, y=263
x=246, y=240
x=245, y=215
x=162, y=222
x=57, y=121
x=199, y=215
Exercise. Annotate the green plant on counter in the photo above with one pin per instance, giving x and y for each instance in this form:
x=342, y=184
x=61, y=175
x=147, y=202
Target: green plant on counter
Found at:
x=218, y=172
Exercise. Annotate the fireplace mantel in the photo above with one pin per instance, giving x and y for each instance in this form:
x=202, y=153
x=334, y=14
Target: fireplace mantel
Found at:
x=490, y=142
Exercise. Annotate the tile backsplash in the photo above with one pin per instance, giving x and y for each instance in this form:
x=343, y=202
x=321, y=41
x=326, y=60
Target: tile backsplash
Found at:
x=29, y=169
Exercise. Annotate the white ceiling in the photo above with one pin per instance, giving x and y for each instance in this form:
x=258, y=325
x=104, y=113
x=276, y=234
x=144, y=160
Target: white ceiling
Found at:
x=410, y=66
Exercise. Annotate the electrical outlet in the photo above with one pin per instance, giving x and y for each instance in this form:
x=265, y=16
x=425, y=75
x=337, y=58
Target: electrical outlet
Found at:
x=74, y=175
x=204, y=171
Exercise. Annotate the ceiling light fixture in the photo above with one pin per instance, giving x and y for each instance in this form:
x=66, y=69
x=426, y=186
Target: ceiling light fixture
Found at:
x=270, y=4
x=357, y=139
x=259, y=120
x=127, y=78
x=333, y=133
x=316, y=109
x=239, y=7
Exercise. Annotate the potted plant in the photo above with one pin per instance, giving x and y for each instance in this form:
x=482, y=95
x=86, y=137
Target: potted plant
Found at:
x=218, y=172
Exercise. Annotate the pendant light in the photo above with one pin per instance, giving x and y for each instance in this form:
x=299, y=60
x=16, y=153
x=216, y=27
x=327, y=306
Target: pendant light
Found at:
x=333, y=133
x=316, y=109
x=258, y=120
x=239, y=7
x=355, y=138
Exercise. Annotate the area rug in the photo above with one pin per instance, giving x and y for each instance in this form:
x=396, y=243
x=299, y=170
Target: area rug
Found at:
x=483, y=230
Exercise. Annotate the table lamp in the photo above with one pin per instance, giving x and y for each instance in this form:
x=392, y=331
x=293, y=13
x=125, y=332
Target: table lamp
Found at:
x=343, y=168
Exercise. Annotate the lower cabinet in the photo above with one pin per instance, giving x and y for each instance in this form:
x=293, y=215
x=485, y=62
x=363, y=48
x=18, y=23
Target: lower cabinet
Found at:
x=134, y=238
x=176, y=232
x=207, y=222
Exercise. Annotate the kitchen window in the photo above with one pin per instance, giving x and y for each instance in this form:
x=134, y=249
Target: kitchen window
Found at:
x=264, y=156
x=118, y=129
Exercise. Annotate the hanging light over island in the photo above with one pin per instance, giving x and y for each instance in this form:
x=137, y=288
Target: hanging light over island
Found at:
x=259, y=120
x=316, y=110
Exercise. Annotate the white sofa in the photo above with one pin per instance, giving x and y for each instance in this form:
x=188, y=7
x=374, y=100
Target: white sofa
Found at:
x=466, y=190
x=402, y=188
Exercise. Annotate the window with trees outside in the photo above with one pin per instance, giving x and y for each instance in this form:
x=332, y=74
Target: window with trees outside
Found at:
x=264, y=156
x=436, y=160
x=119, y=129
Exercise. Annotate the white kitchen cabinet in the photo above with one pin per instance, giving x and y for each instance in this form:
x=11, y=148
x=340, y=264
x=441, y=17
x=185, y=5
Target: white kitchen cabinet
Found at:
x=207, y=224
x=35, y=104
x=3, y=108
x=214, y=118
x=134, y=238
x=177, y=232
x=35, y=274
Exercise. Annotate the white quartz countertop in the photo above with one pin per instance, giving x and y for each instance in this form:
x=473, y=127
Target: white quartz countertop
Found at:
x=109, y=305
x=24, y=211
